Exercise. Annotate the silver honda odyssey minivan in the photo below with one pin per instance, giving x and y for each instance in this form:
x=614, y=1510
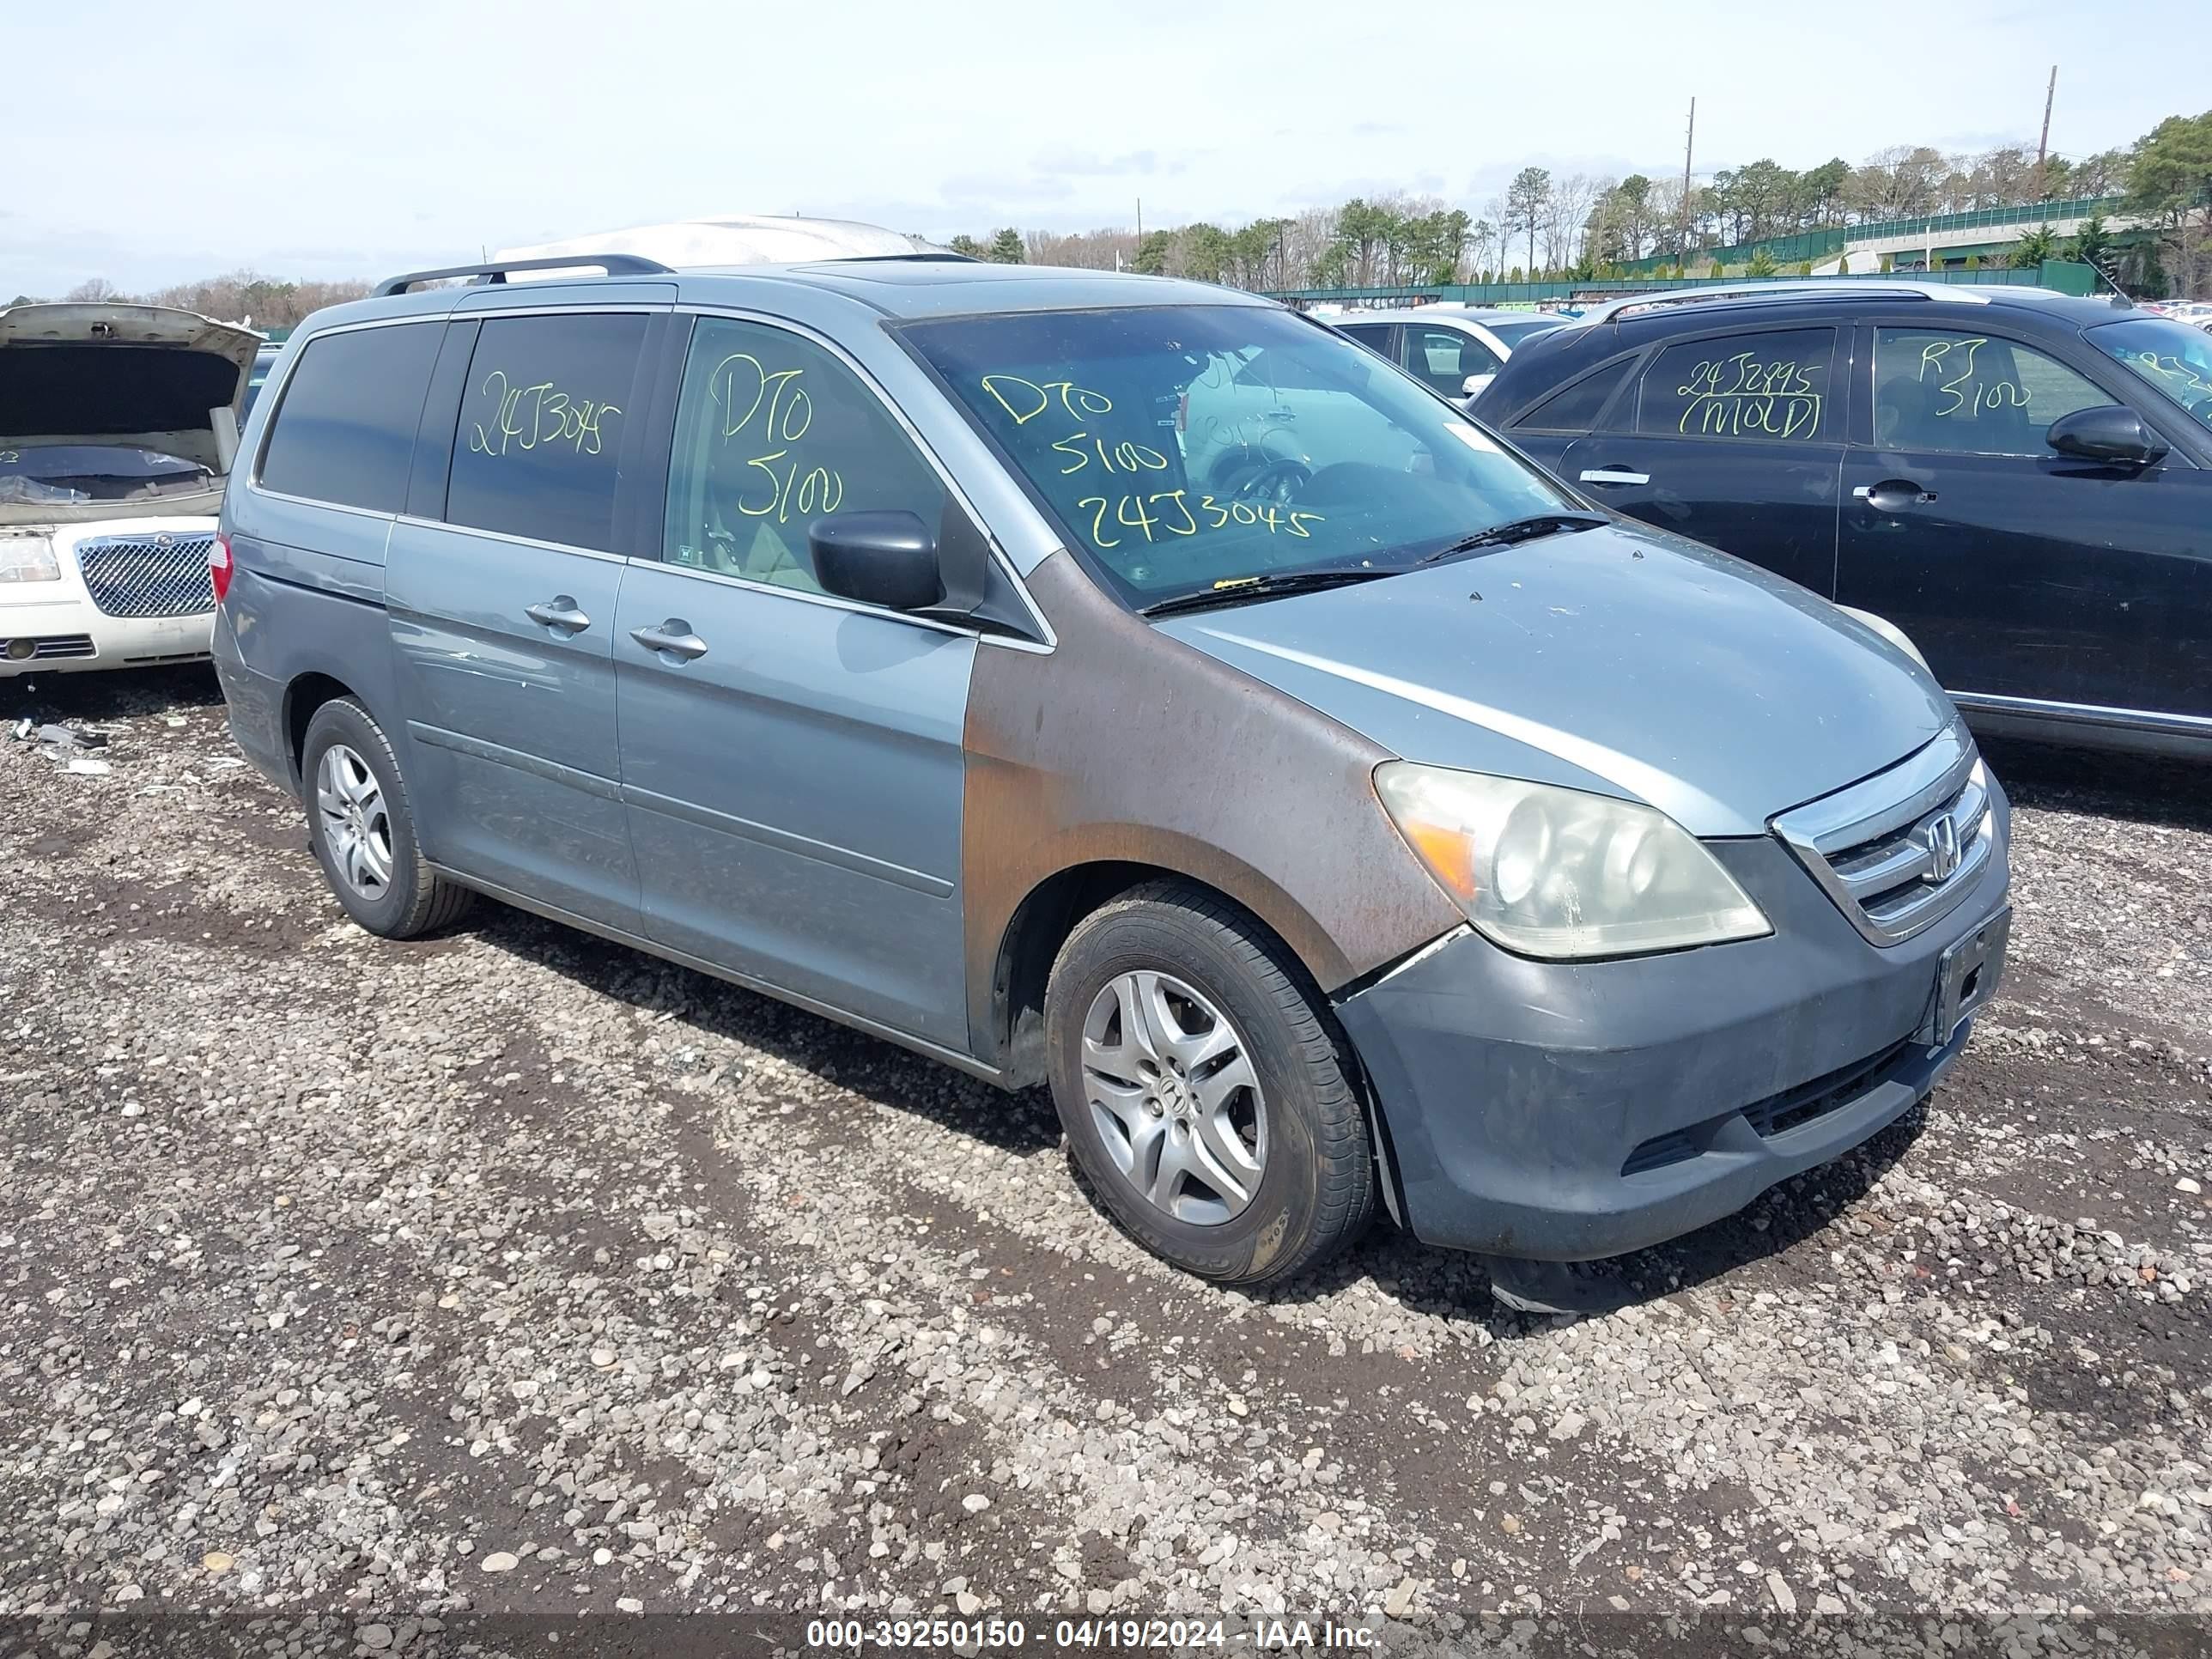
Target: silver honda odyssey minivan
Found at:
x=1125, y=686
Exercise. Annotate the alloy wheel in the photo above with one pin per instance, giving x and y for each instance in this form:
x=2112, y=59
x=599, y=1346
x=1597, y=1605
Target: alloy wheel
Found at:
x=1175, y=1097
x=356, y=825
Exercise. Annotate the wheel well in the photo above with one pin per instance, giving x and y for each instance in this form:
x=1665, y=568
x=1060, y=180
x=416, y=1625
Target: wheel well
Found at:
x=1040, y=925
x=301, y=698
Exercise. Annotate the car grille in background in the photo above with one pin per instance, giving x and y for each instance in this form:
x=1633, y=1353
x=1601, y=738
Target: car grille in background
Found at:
x=1900, y=851
x=161, y=575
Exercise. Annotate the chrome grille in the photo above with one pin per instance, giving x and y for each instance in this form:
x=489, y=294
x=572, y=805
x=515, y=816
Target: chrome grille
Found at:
x=1900, y=851
x=156, y=575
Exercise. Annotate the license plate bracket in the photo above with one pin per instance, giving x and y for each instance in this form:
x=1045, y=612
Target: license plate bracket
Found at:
x=1967, y=976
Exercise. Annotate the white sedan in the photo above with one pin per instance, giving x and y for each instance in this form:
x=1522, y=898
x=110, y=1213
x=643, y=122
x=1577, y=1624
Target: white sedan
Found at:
x=1454, y=349
x=118, y=424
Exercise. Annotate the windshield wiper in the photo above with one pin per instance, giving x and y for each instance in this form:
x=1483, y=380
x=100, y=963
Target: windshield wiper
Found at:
x=1515, y=530
x=1261, y=587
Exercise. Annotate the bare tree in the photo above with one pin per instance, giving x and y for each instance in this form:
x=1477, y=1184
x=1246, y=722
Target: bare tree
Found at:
x=1110, y=249
x=1568, y=215
x=96, y=290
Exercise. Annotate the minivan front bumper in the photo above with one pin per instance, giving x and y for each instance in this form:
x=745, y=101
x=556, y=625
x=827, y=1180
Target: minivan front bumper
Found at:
x=1565, y=1111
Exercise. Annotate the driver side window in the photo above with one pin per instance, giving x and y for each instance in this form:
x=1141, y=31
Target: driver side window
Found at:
x=772, y=433
x=1952, y=391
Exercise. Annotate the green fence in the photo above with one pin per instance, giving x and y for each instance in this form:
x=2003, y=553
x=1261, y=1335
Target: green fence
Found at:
x=2062, y=274
x=1827, y=242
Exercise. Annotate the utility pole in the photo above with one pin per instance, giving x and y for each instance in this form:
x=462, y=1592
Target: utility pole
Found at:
x=1689, y=144
x=2043, y=145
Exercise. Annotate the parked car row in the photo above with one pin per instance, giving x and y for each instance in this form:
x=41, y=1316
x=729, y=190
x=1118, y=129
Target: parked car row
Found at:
x=1123, y=685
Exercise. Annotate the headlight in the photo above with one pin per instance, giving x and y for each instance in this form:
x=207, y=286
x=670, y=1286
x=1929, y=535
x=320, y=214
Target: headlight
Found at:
x=28, y=559
x=1557, y=872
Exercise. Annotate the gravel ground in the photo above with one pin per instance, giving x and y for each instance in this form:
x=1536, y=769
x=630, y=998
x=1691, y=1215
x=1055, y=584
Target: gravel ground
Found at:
x=380, y=1292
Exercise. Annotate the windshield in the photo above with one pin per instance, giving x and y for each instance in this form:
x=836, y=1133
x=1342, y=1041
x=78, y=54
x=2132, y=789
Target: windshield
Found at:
x=2173, y=356
x=1511, y=334
x=1184, y=449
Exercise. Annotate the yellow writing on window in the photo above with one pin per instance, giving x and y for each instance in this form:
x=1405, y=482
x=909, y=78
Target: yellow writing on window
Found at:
x=772, y=409
x=1953, y=365
x=1747, y=397
x=1170, y=513
x=536, y=415
x=2184, y=381
x=1026, y=399
x=1153, y=515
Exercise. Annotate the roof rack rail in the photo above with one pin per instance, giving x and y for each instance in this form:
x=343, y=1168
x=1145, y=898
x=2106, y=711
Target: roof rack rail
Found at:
x=1783, y=288
x=615, y=264
x=940, y=256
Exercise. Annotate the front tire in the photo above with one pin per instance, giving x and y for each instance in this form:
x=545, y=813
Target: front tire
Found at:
x=363, y=831
x=1206, y=1092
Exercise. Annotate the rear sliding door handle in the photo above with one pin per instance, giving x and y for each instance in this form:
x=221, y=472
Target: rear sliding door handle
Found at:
x=559, y=613
x=1614, y=475
x=674, y=638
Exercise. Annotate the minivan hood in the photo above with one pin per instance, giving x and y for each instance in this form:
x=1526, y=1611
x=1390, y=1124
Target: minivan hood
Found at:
x=1618, y=659
x=88, y=371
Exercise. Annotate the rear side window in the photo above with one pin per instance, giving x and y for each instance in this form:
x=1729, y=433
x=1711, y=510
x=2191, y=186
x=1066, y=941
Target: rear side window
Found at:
x=1376, y=336
x=1757, y=388
x=345, y=431
x=1576, y=408
x=541, y=428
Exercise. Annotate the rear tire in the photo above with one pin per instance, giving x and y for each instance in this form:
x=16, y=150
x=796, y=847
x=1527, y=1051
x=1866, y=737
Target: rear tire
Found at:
x=362, y=830
x=1207, y=1093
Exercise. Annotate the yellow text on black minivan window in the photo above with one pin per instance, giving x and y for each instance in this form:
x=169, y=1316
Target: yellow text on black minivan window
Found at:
x=1746, y=396
x=522, y=418
x=767, y=414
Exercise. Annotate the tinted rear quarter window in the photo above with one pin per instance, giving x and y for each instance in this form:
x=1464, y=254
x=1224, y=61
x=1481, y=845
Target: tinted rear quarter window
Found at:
x=541, y=428
x=1766, y=388
x=345, y=430
x=1576, y=408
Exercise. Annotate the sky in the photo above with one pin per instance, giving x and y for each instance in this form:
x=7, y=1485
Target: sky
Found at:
x=153, y=144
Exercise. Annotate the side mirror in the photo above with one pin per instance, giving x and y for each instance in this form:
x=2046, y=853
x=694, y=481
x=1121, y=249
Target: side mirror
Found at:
x=881, y=558
x=2110, y=432
x=1476, y=384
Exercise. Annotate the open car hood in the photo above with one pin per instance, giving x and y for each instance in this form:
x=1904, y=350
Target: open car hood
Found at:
x=92, y=370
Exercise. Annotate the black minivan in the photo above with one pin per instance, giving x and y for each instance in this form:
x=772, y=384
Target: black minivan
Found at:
x=2018, y=480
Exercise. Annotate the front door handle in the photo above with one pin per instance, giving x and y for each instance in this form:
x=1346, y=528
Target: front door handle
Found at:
x=1616, y=475
x=1893, y=495
x=674, y=638
x=558, y=613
